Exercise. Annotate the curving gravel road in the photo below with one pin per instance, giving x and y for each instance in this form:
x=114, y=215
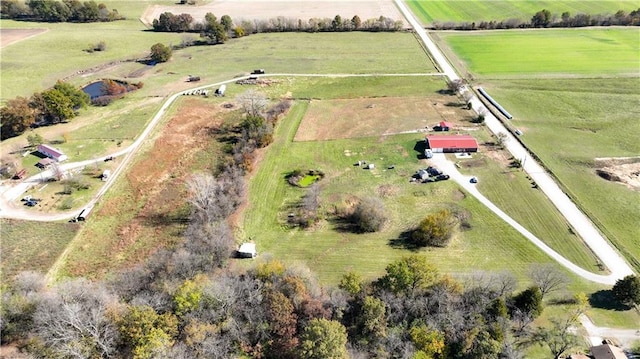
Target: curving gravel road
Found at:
x=578, y=220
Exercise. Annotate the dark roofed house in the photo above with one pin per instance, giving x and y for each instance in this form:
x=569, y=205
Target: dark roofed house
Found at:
x=455, y=143
x=607, y=351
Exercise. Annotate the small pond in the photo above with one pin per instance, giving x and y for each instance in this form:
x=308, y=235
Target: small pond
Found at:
x=94, y=89
x=99, y=88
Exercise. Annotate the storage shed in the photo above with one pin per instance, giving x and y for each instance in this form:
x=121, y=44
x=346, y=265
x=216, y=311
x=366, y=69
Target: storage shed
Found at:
x=455, y=143
x=53, y=153
x=247, y=250
x=443, y=126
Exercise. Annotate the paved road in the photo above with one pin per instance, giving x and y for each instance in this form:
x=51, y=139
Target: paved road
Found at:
x=578, y=220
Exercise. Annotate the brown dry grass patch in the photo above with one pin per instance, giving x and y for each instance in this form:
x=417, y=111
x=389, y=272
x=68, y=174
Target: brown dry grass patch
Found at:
x=147, y=211
x=367, y=117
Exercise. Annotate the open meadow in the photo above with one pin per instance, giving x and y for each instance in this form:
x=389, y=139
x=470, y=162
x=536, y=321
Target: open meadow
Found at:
x=429, y=11
x=607, y=52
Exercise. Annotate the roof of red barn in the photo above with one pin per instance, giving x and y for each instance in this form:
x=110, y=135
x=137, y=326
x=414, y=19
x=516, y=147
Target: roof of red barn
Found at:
x=53, y=151
x=456, y=141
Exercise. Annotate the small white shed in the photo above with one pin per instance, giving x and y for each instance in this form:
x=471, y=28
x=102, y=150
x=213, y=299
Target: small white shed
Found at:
x=247, y=250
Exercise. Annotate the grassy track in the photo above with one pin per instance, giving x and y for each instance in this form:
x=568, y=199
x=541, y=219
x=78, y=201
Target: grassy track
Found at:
x=548, y=53
x=27, y=246
x=573, y=122
x=429, y=11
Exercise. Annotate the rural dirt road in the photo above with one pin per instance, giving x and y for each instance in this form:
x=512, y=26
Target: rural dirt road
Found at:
x=578, y=220
x=624, y=337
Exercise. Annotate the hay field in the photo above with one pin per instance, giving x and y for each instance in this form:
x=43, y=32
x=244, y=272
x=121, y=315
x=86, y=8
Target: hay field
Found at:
x=367, y=117
x=9, y=36
x=264, y=10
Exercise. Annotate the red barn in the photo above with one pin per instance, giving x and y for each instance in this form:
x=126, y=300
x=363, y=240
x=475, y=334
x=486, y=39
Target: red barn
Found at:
x=456, y=143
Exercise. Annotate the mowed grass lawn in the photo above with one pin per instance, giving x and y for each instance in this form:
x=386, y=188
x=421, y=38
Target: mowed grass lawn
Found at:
x=568, y=124
x=330, y=250
x=429, y=11
x=32, y=246
x=547, y=53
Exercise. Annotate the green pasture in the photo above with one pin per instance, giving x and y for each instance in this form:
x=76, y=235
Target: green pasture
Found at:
x=430, y=11
x=32, y=246
x=330, y=251
x=512, y=191
x=548, y=53
x=568, y=124
x=323, y=53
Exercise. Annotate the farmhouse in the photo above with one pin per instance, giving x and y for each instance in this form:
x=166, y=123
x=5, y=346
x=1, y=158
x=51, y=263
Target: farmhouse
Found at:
x=455, y=143
x=52, y=153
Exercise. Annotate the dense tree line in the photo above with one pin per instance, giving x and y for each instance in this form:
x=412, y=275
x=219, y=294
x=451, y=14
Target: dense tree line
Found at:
x=55, y=105
x=544, y=18
x=218, y=31
x=58, y=11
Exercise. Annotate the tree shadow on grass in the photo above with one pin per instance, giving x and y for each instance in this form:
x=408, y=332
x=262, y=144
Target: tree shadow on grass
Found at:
x=604, y=299
x=345, y=225
x=419, y=147
x=404, y=242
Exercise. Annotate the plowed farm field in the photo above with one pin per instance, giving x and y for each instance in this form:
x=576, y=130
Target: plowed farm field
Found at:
x=366, y=117
x=296, y=9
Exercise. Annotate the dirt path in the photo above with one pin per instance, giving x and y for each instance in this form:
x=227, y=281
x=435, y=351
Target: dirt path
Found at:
x=623, y=337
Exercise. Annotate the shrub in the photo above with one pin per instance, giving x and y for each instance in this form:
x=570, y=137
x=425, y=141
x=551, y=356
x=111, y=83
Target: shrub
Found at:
x=370, y=215
x=435, y=230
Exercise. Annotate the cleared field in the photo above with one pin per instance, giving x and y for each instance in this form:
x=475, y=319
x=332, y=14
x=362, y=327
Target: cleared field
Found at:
x=9, y=36
x=30, y=246
x=548, y=53
x=429, y=11
x=568, y=124
x=366, y=117
x=292, y=9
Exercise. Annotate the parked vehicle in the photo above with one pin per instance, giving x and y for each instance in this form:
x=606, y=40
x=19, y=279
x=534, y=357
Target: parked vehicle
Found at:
x=473, y=180
x=433, y=171
x=442, y=177
x=110, y=158
x=258, y=72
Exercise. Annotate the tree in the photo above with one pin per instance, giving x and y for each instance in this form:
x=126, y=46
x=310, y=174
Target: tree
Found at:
x=435, y=230
x=58, y=107
x=627, y=290
x=428, y=341
x=146, y=333
x=409, y=275
x=323, y=339
x=160, y=53
x=559, y=338
x=351, y=282
x=548, y=278
x=16, y=117
x=282, y=325
x=78, y=98
x=541, y=19
x=214, y=29
x=371, y=322
x=226, y=22
x=34, y=140
x=73, y=320
x=502, y=138
x=370, y=215
x=252, y=102
x=529, y=301
x=455, y=85
x=356, y=22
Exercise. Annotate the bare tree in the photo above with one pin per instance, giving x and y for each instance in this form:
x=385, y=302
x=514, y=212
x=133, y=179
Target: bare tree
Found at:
x=502, y=138
x=213, y=198
x=253, y=102
x=72, y=320
x=455, y=85
x=548, y=278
